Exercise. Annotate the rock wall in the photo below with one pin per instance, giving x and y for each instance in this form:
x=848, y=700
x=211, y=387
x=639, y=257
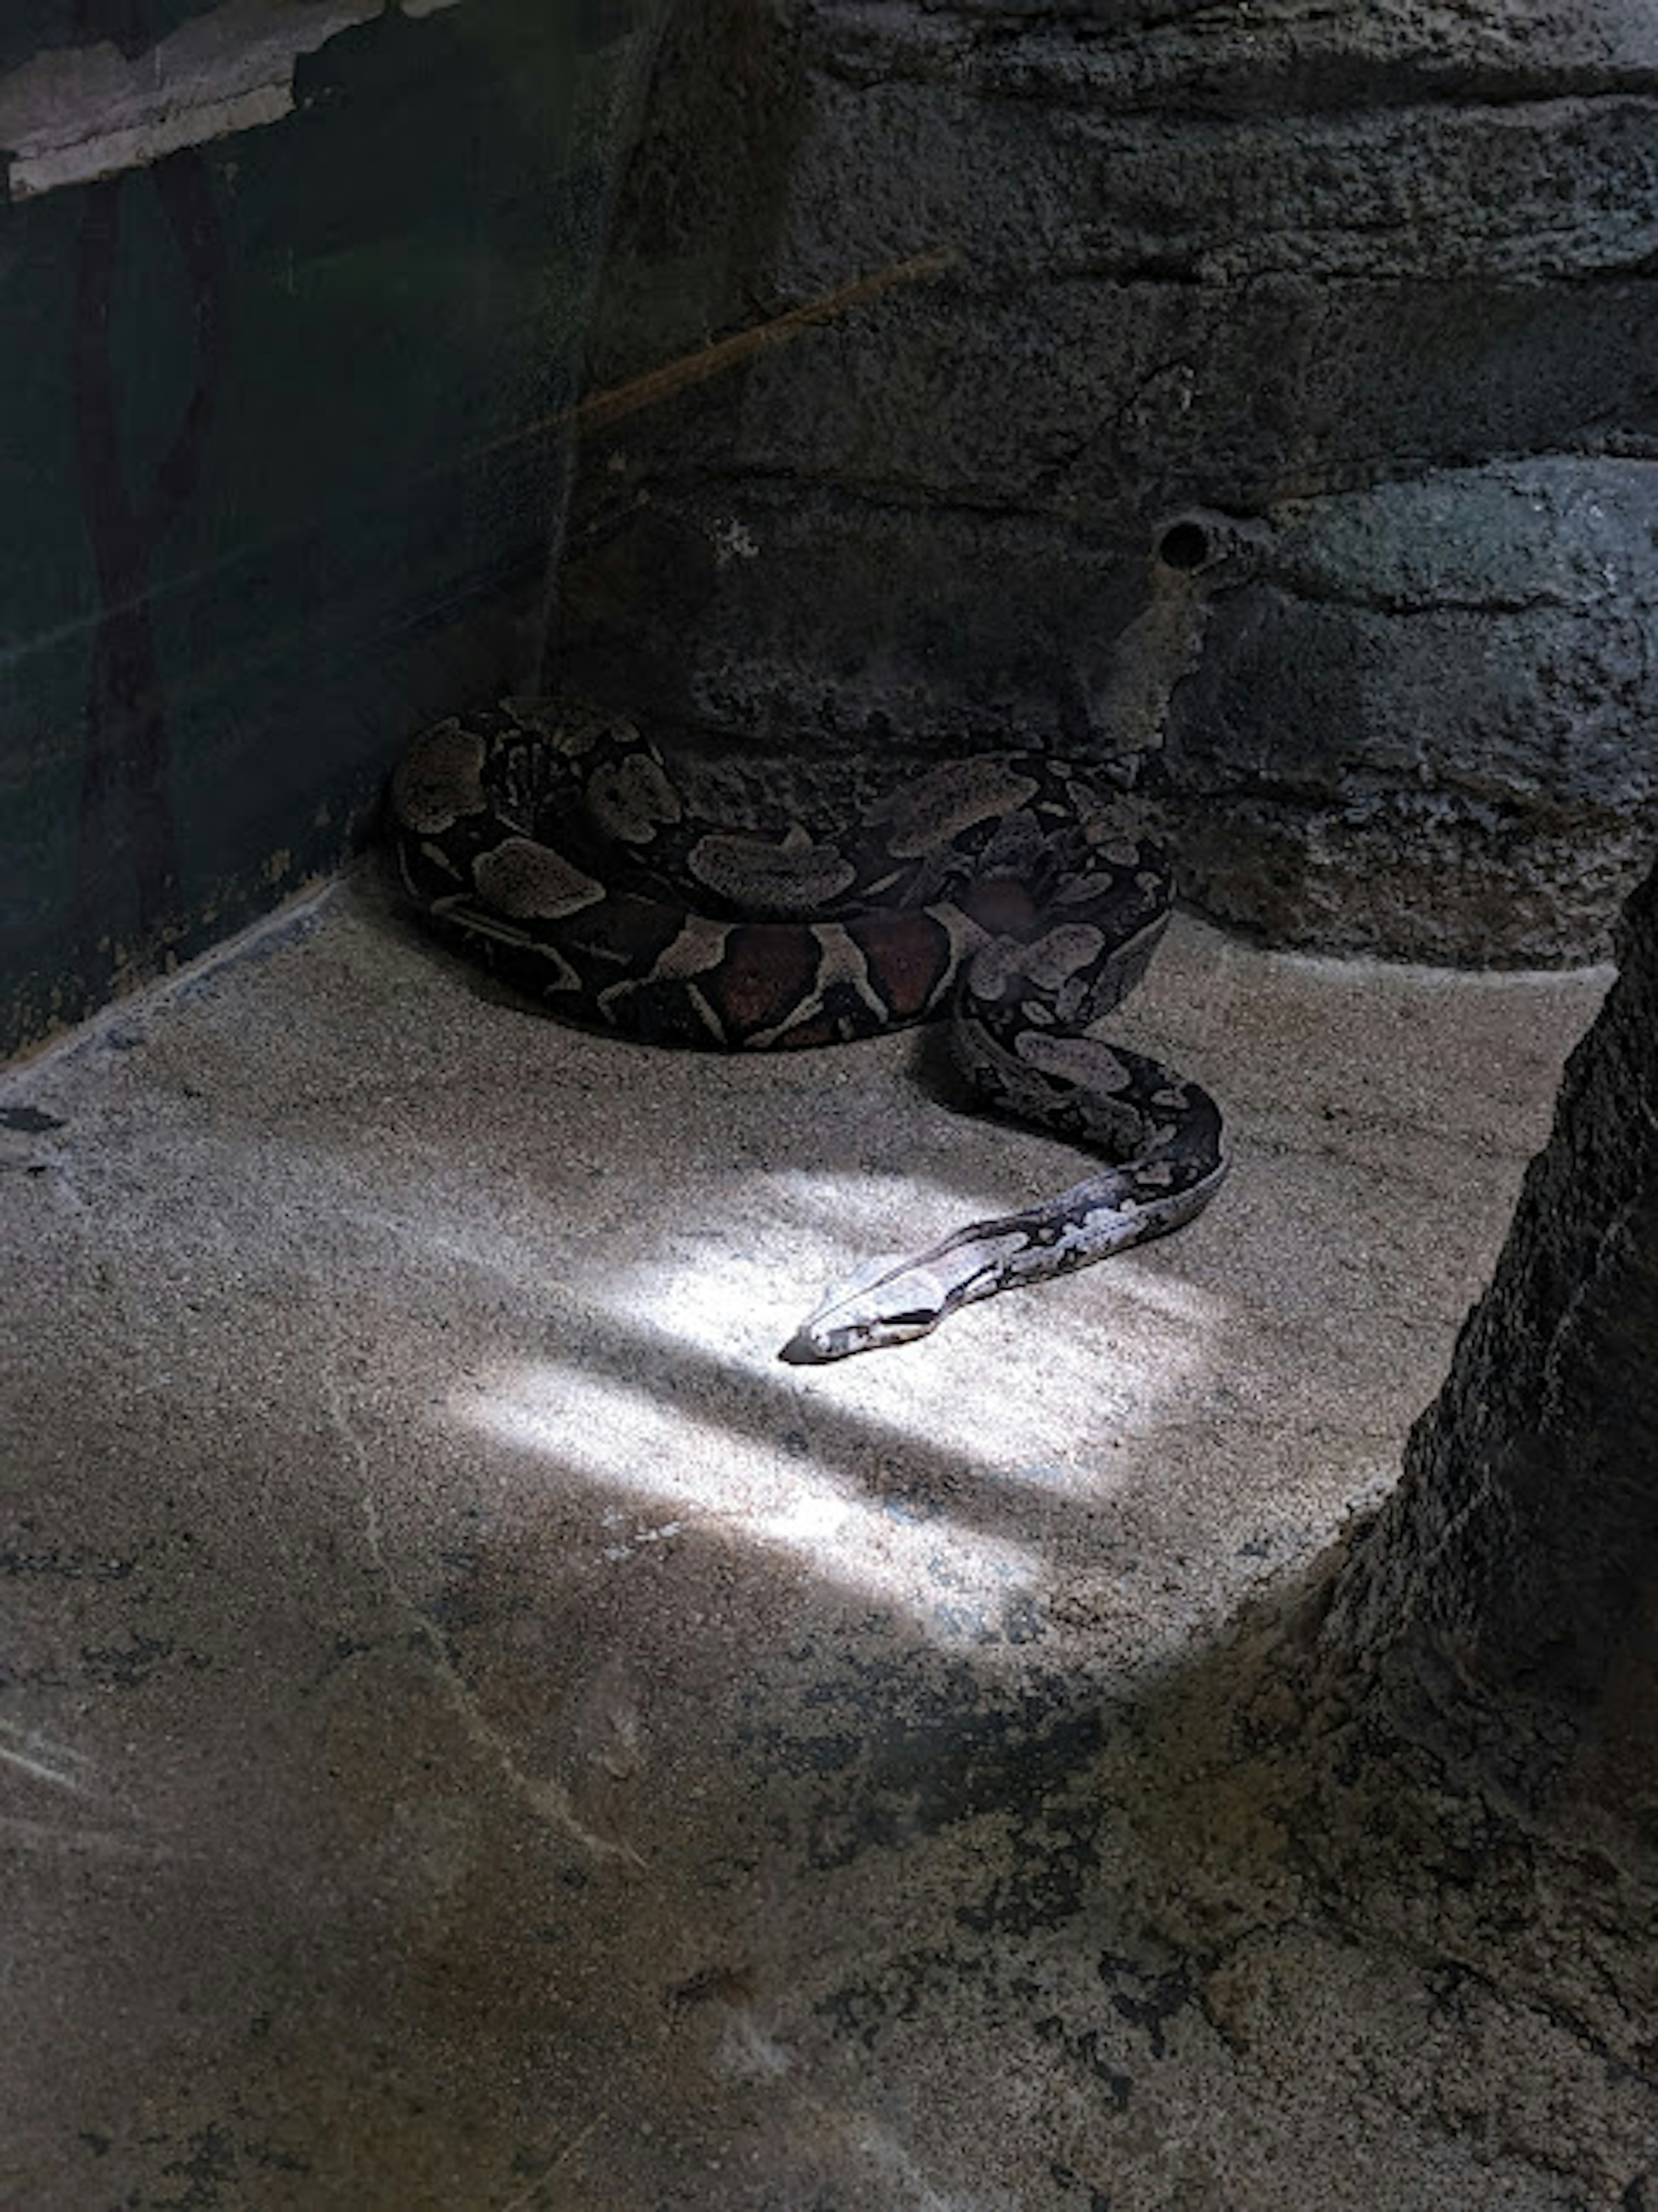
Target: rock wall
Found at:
x=1283, y=431
x=1504, y=1604
x=1428, y=723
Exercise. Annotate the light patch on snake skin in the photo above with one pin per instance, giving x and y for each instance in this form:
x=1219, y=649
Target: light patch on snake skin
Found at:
x=1089, y=1116
x=843, y=961
x=1095, y=987
x=1091, y=886
x=1089, y=1235
x=840, y=960
x=775, y=878
x=705, y=1014
x=1048, y=962
x=631, y=798
x=434, y=855
x=556, y=973
x=1120, y=850
x=940, y=805
x=966, y=937
x=1069, y=1245
x=574, y=730
x=528, y=882
x=700, y=947
x=882, y=887
x=439, y=779
x=1089, y=1062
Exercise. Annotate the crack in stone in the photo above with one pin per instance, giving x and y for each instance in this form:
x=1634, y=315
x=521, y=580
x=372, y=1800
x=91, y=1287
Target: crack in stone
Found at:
x=543, y=1796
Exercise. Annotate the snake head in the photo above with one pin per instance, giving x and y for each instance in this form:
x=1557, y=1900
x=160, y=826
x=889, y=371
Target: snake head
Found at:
x=891, y=1300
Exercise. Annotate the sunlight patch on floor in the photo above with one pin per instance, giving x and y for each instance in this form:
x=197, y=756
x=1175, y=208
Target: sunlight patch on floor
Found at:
x=698, y=1474
x=1019, y=1375
x=939, y=1474
x=801, y=1234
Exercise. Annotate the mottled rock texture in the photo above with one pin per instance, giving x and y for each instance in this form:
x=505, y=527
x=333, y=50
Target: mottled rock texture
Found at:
x=1426, y=725
x=1503, y=1602
x=1284, y=432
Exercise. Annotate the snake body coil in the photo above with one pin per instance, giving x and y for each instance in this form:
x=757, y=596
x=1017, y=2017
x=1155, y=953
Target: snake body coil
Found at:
x=550, y=841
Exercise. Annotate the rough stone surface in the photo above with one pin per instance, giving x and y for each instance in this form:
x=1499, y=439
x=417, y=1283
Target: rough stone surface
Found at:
x=1445, y=1736
x=1249, y=261
x=1505, y=1597
x=1445, y=690
x=480, y=1731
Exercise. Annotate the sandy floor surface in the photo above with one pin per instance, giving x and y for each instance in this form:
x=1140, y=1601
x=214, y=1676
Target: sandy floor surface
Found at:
x=480, y=1731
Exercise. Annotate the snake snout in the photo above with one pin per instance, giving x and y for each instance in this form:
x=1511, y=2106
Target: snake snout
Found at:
x=883, y=1304
x=815, y=1345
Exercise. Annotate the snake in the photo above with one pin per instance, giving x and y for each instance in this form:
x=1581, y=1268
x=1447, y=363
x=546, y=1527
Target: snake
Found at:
x=1010, y=891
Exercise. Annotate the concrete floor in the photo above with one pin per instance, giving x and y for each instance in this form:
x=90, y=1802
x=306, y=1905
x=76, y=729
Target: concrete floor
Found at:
x=479, y=1731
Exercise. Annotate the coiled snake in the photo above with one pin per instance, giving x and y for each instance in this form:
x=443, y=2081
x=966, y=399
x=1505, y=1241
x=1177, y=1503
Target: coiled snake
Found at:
x=550, y=842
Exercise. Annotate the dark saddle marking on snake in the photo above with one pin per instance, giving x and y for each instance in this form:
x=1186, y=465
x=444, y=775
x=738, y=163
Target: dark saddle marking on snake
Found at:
x=550, y=843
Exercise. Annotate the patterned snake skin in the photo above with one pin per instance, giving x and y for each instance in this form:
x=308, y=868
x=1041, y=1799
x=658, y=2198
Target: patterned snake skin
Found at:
x=550, y=842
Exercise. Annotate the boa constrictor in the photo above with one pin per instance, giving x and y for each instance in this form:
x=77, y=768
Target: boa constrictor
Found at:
x=550, y=840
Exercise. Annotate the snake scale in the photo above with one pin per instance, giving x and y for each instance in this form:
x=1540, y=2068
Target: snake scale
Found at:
x=550, y=840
